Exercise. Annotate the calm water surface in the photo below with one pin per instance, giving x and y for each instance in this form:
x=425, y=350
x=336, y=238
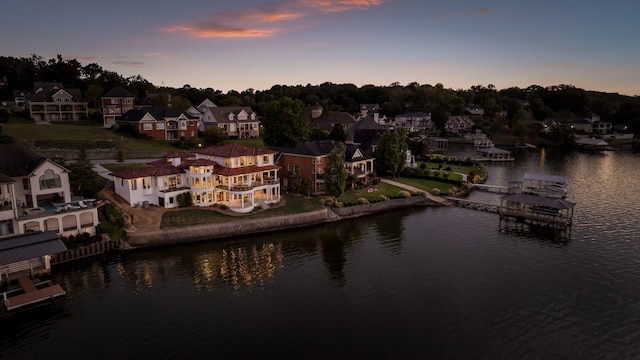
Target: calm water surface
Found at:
x=443, y=283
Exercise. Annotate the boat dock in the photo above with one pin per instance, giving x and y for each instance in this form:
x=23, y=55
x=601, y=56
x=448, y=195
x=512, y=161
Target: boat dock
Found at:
x=491, y=188
x=532, y=209
x=31, y=294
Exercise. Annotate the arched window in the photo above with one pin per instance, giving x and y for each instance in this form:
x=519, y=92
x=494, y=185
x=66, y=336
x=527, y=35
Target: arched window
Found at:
x=50, y=180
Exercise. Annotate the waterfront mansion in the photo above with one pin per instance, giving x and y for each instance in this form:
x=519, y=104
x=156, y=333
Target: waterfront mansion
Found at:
x=233, y=175
x=35, y=195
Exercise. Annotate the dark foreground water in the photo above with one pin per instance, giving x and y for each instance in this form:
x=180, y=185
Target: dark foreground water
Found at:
x=442, y=283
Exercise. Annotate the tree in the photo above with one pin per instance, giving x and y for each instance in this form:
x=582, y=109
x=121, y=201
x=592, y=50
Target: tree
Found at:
x=386, y=153
x=285, y=123
x=214, y=135
x=391, y=152
x=337, y=133
x=335, y=173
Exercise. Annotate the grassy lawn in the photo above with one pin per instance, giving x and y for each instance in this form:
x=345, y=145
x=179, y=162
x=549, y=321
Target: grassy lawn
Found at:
x=82, y=131
x=197, y=216
x=426, y=185
x=478, y=169
x=381, y=189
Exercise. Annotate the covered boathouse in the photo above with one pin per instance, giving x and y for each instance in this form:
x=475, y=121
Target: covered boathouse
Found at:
x=26, y=257
x=537, y=209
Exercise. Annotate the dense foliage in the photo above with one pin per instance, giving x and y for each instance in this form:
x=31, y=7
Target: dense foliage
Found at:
x=285, y=123
x=560, y=102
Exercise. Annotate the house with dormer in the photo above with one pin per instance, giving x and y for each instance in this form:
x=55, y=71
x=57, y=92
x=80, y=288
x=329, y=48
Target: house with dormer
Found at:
x=415, y=122
x=35, y=195
x=116, y=102
x=458, y=125
x=236, y=176
x=160, y=123
x=237, y=121
x=50, y=101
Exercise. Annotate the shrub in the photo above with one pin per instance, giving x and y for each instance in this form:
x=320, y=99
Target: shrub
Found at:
x=339, y=204
x=435, y=191
x=322, y=202
x=363, y=201
x=72, y=239
x=404, y=194
x=329, y=202
x=383, y=198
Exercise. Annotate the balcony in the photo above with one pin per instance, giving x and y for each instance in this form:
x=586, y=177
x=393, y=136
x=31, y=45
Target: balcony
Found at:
x=243, y=187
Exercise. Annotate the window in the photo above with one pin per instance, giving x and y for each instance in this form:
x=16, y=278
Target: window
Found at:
x=50, y=180
x=25, y=184
x=134, y=184
x=289, y=167
x=265, y=159
x=147, y=127
x=183, y=125
x=160, y=126
x=319, y=160
x=146, y=184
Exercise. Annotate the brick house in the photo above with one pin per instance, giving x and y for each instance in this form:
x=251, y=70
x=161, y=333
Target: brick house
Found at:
x=160, y=123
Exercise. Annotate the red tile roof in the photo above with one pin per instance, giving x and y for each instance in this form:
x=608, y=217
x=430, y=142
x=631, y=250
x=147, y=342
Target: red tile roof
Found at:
x=224, y=171
x=233, y=150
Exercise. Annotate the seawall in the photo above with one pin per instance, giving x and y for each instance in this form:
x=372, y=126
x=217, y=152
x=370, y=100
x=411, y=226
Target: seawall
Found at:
x=256, y=226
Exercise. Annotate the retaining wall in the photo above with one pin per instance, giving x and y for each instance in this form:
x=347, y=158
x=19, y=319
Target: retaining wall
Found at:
x=229, y=229
x=358, y=210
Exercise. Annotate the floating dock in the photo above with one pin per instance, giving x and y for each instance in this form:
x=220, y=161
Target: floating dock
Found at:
x=31, y=294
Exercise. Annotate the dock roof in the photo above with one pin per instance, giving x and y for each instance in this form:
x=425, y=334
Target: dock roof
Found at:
x=545, y=177
x=553, y=203
x=29, y=246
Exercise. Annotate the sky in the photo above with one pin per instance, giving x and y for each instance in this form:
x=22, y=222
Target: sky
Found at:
x=250, y=44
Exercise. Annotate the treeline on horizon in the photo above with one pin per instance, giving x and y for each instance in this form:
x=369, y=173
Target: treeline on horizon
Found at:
x=559, y=102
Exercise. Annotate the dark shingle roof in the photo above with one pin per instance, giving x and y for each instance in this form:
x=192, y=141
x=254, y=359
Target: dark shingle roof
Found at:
x=29, y=246
x=328, y=119
x=118, y=92
x=16, y=160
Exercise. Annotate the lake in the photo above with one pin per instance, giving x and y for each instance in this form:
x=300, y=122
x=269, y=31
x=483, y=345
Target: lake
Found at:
x=438, y=282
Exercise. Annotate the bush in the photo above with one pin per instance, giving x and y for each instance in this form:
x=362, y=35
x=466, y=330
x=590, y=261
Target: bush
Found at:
x=329, y=202
x=363, y=201
x=435, y=191
x=404, y=194
x=383, y=198
x=322, y=202
x=339, y=204
x=72, y=239
x=184, y=199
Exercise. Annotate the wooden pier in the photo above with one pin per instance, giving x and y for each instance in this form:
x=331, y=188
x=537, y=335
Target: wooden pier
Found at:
x=491, y=188
x=530, y=209
x=475, y=205
x=31, y=295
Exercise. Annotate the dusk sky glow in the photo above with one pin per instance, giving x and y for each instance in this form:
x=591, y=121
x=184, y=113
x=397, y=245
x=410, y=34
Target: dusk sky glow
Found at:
x=236, y=45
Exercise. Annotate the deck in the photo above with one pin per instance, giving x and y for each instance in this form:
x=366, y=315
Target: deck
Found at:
x=32, y=295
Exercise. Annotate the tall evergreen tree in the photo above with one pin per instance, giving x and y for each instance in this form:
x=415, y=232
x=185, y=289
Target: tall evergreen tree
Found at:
x=335, y=173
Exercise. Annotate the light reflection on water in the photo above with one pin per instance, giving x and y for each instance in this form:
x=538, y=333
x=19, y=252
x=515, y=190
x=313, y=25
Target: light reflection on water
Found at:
x=426, y=283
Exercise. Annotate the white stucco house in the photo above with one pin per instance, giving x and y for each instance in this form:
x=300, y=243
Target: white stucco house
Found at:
x=234, y=175
x=35, y=195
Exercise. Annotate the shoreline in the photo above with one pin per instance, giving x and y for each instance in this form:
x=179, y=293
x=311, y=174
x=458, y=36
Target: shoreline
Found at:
x=176, y=236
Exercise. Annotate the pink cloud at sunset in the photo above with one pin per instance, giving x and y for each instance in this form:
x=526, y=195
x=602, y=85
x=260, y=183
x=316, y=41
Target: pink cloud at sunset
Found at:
x=258, y=23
